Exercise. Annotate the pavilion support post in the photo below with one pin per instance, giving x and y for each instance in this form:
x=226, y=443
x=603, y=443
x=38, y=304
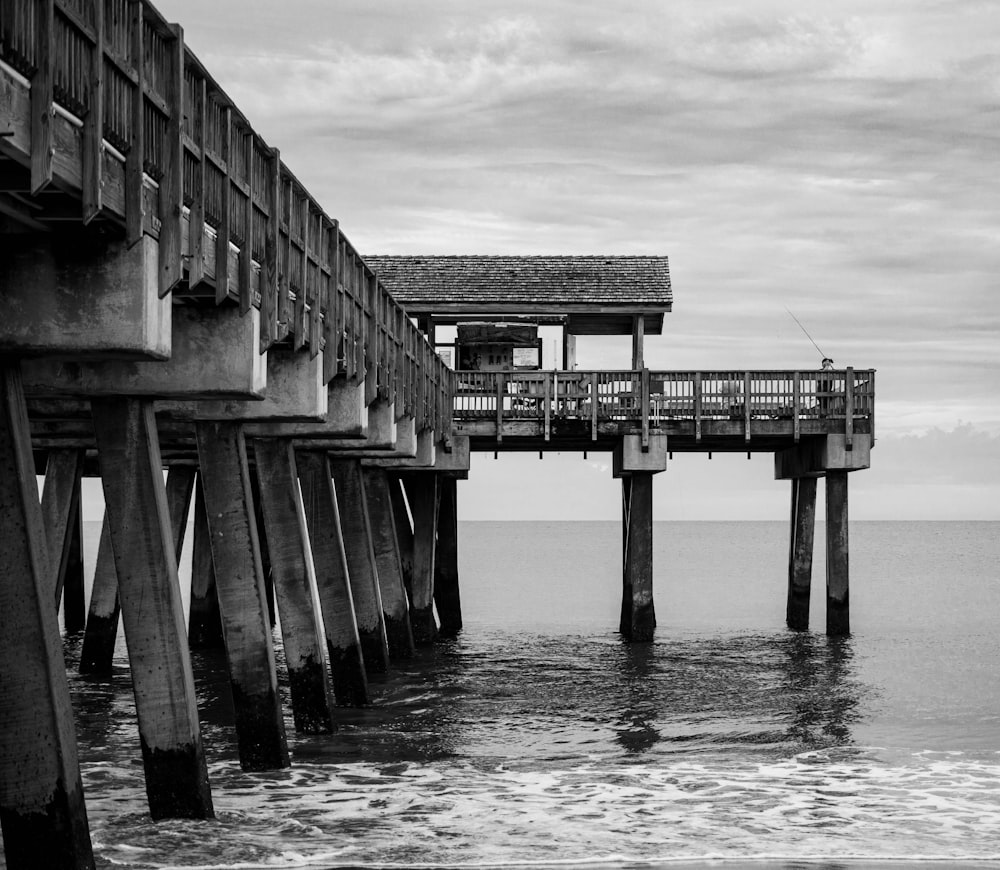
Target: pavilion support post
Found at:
x=294, y=585
x=446, y=592
x=149, y=590
x=204, y=620
x=239, y=582
x=102, y=618
x=638, y=618
x=838, y=617
x=343, y=646
x=395, y=606
x=74, y=598
x=404, y=530
x=42, y=810
x=361, y=565
x=423, y=494
x=800, y=552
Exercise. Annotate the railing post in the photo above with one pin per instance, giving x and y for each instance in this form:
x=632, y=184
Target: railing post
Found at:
x=134, y=209
x=796, y=406
x=644, y=407
x=594, y=398
x=547, y=401
x=747, y=386
x=849, y=407
x=500, y=392
x=93, y=124
x=172, y=183
x=697, y=406
x=42, y=84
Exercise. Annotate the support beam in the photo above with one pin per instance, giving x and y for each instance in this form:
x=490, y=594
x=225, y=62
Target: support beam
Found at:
x=204, y=620
x=63, y=470
x=102, y=617
x=42, y=809
x=838, y=617
x=395, y=606
x=74, y=597
x=350, y=684
x=423, y=494
x=446, y=592
x=294, y=585
x=638, y=619
x=102, y=622
x=404, y=531
x=361, y=565
x=146, y=566
x=239, y=582
x=800, y=552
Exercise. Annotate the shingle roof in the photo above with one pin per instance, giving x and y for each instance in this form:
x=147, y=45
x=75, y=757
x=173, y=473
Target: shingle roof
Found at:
x=606, y=281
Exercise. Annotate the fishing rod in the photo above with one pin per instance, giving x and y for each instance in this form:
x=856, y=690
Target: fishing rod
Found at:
x=823, y=355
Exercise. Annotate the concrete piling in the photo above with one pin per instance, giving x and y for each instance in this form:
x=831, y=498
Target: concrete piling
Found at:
x=446, y=592
x=74, y=598
x=350, y=683
x=838, y=616
x=294, y=585
x=204, y=620
x=149, y=592
x=800, y=552
x=395, y=606
x=423, y=494
x=239, y=583
x=361, y=565
x=638, y=617
x=42, y=811
x=60, y=501
x=102, y=616
x=404, y=530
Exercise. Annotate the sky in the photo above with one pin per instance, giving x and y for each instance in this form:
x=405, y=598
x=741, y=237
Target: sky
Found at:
x=840, y=160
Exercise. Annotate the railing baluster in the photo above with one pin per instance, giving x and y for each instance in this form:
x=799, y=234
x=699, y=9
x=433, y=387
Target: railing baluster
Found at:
x=796, y=406
x=93, y=124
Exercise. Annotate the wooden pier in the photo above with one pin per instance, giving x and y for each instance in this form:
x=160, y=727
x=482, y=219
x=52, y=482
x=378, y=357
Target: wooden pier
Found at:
x=174, y=300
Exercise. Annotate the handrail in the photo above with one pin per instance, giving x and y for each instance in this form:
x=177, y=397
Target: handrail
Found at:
x=165, y=152
x=647, y=398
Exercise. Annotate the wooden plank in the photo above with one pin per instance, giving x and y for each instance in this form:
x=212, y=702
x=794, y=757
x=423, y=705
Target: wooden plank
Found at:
x=172, y=180
x=93, y=124
x=41, y=798
x=196, y=219
x=269, y=273
x=134, y=202
x=246, y=249
x=42, y=108
x=225, y=217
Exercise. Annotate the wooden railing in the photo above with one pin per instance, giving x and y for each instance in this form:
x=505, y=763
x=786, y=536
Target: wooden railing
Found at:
x=108, y=101
x=654, y=398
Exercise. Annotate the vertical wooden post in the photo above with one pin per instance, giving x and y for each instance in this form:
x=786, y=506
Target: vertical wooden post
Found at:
x=294, y=584
x=361, y=567
x=146, y=566
x=838, y=617
x=42, y=809
x=423, y=494
x=134, y=182
x=204, y=620
x=102, y=618
x=92, y=144
x=239, y=583
x=638, y=618
x=800, y=552
x=395, y=607
x=42, y=89
x=172, y=181
x=446, y=591
x=343, y=646
x=638, y=334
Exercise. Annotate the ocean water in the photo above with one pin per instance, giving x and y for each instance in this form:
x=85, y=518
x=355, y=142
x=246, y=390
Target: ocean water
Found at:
x=538, y=737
